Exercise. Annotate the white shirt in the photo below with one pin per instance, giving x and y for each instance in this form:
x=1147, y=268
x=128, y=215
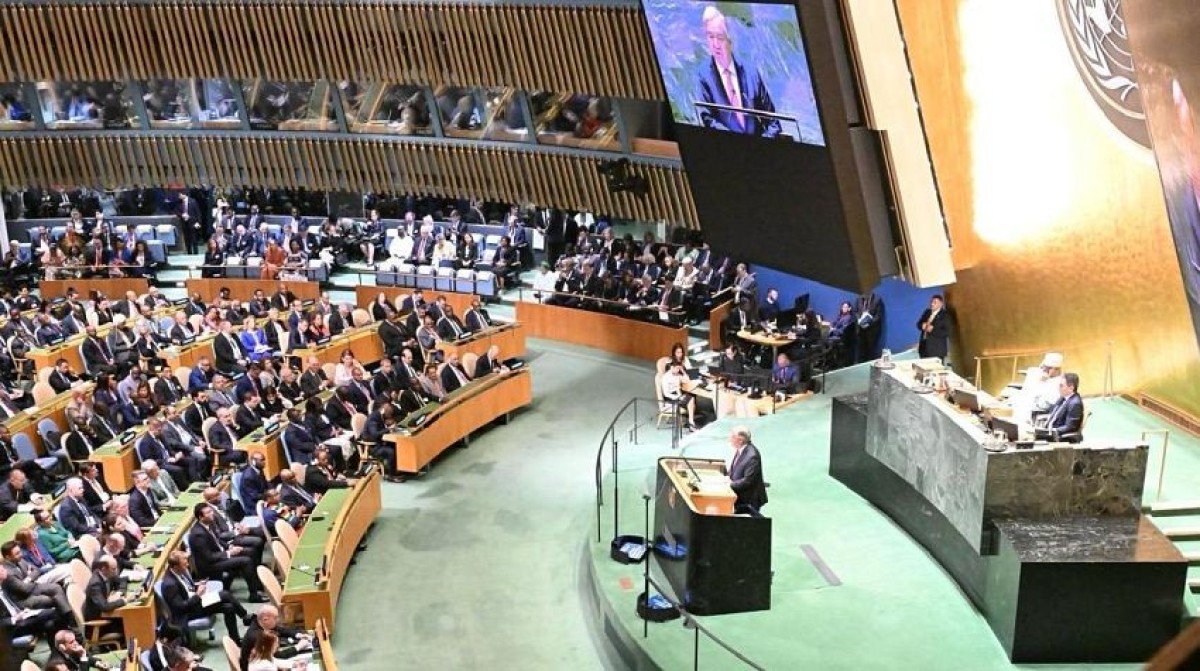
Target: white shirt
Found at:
x=401, y=247
x=545, y=282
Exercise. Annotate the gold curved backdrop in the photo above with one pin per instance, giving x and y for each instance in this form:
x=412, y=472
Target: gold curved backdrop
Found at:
x=1057, y=221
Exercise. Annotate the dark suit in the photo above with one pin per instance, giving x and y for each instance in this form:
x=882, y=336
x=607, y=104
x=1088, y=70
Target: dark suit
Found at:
x=247, y=420
x=935, y=343
x=477, y=320
x=179, y=593
x=300, y=442
x=143, y=508
x=1065, y=419
x=449, y=328
x=228, y=351
x=254, y=487
x=393, y=337
x=295, y=495
x=167, y=391
x=150, y=447
x=220, y=440
x=753, y=95
x=97, y=357
x=485, y=366
x=313, y=383
x=449, y=379
x=97, y=603
x=746, y=479
x=213, y=559
x=866, y=338
x=77, y=518
x=317, y=480
x=62, y=382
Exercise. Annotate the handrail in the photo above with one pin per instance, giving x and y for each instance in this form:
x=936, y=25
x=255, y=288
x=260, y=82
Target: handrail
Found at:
x=690, y=621
x=1017, y=355
x=610, y=437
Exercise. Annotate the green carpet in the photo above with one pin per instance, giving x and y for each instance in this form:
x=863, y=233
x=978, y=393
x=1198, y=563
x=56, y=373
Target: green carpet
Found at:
x=477, y=564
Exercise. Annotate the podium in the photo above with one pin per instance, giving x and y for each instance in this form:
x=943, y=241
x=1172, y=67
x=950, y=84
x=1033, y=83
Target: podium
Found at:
x=716, y=562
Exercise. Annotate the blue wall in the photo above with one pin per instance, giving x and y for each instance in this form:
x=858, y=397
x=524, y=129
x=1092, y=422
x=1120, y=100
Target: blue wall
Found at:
x=902, y=302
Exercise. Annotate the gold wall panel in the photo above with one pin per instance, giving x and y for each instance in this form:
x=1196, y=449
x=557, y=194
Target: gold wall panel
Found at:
x=513, y=174
x=597, y=50
x=1057, y=220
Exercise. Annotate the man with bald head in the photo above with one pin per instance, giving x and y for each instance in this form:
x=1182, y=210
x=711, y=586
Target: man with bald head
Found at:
x=231, y=532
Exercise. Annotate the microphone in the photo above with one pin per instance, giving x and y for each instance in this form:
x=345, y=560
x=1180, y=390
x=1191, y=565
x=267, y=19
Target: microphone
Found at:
x=694, y=481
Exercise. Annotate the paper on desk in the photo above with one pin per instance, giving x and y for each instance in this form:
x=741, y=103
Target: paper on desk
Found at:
x=134, y=574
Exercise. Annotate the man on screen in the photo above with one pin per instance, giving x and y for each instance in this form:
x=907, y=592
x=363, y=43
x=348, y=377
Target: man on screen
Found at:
x=726, y=81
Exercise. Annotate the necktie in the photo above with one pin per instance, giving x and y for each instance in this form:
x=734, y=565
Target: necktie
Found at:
x=732, y=93
x=186, y=581
x=12, y=607
x=462, y=379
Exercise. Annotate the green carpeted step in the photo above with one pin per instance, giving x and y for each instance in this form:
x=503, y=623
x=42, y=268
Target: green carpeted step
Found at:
x=1169, y=508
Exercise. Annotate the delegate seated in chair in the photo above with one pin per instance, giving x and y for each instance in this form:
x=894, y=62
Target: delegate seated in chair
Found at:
x=1064, y=422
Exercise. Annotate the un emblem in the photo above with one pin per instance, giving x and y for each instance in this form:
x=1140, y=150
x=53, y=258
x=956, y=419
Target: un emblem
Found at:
x=1099, y=45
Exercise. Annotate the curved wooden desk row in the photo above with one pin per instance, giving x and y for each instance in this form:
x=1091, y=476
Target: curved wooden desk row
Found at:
x=338, y=524
x=363, y=341
x=114, y=288
x=56, y=409
x=117, y=459
x=366, y=295
x=43, y=357
x=619, y=335
x=510, y=338
x=470, y=408
x=243, y=290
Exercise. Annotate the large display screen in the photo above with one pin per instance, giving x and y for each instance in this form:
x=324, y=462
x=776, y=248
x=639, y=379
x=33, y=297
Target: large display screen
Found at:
x=736, y=67
x=1163, y=33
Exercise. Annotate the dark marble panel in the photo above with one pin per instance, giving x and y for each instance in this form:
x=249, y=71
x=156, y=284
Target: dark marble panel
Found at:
x=850, y=464
x=1084, y=589
x=1065, y=482
x=932, y=450
x=1089, y=539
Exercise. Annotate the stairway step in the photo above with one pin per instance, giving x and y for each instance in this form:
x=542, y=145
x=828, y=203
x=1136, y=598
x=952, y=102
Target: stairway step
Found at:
x=1194, y=584
x=1167, y=508
x=1182, y=533
x=1192, y=556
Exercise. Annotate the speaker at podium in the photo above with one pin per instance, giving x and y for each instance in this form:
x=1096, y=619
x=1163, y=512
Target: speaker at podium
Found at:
x=715, y=561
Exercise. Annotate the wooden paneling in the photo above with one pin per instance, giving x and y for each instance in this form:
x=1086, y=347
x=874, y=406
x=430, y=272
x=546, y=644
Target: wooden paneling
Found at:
x=518, y=173
x=597, y=50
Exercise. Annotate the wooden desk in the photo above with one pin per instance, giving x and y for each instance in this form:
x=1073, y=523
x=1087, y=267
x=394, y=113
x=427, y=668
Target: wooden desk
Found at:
x=464, y=411
x=270, y=447
x=188, y=355
x=767, y=340
x=44, y=357
x=366, y=295
x=325, y=647
x=55, y=409
x=728, y=402
x=113, y=288
x=348, y=513
x=138, y=618
x=630, y=337
x=118, y=460
x=716, y=317
x=243, y=290
x=510, y=338
x=711, y=496
x=363, y=341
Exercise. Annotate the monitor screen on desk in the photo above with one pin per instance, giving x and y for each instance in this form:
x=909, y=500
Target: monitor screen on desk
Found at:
x=967, y=399
x=1010, y=428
